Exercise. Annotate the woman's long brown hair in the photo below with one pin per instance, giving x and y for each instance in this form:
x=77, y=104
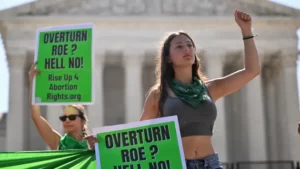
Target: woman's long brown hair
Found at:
x=164, y=71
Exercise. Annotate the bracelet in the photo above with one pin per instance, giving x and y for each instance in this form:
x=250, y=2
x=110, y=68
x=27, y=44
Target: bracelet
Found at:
x=249, y=37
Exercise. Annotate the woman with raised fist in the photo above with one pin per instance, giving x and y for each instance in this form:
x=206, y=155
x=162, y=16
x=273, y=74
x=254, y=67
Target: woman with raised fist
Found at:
x=181, y=89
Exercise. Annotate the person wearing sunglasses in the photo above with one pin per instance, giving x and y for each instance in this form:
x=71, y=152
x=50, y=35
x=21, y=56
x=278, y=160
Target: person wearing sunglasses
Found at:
x=73, y=121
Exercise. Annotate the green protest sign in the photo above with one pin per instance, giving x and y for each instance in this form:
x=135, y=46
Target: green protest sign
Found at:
x=64, y=56
x=151, y=144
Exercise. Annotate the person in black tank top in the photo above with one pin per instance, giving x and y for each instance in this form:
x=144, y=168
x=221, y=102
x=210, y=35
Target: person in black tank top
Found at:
x=181, y=89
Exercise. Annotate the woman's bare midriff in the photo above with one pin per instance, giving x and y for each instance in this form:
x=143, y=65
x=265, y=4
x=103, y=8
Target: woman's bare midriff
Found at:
x=197, y=147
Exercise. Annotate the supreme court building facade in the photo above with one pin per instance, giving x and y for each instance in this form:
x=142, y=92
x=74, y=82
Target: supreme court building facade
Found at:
x=259, y=122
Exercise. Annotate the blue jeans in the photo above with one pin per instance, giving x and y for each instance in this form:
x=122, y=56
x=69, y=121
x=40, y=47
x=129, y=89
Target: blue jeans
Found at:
x=209, y=162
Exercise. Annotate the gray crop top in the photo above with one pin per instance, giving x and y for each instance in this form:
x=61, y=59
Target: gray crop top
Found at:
x=199, y=121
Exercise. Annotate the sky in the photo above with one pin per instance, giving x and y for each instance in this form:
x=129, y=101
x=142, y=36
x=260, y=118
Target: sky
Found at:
x=4, y=85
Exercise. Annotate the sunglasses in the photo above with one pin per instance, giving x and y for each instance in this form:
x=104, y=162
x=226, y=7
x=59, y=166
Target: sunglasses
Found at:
x=70, y=117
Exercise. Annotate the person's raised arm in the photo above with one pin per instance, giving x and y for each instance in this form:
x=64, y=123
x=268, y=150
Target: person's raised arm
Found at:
x=151, y=110
x=50, y=136
x=231, y=83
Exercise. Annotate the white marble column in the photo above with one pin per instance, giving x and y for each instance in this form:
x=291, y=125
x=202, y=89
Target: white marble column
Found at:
x=133, y=62
x=214, y=64
x=279, y=95
x=282, y=134
x=255, y=116
x=96, y=111
x=253, y=107
x=15, y=136
x=272, y=120
x=290, y=101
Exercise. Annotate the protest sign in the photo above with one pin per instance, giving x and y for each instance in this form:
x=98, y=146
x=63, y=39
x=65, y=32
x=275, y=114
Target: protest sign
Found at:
x=150, y=144
x=64, y=56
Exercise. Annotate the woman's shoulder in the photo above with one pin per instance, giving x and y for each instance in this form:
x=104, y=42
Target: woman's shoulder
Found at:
x=212, y=88
x=153, y=93
x=151, y=109
x=208, y=82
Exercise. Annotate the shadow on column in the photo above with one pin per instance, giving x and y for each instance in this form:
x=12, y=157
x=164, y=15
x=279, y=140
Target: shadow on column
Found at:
x=113, y=91
x=148, y=78
x=274, y=109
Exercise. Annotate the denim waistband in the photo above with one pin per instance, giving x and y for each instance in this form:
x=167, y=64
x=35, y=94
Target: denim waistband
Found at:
x=211, y=162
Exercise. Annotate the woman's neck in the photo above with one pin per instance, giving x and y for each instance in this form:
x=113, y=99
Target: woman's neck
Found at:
x=183, y=75
x=76, y=135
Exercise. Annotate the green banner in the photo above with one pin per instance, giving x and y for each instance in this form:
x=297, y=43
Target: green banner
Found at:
x=154, y=144
x=72, y=159
x=64, y=56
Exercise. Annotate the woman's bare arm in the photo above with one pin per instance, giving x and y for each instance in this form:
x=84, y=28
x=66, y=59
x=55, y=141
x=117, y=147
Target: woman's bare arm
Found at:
x=231, y=83
x=150, y=110
x=49, y=135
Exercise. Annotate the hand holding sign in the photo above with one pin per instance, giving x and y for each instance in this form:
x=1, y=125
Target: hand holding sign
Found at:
x=92, y=140
x=154, y=144
x=32, y=72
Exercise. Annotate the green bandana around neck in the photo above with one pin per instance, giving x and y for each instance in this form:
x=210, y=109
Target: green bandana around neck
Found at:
x=68, y=143
x=192, y=94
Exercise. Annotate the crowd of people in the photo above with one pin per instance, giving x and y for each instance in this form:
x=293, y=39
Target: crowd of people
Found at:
x=181, y=89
